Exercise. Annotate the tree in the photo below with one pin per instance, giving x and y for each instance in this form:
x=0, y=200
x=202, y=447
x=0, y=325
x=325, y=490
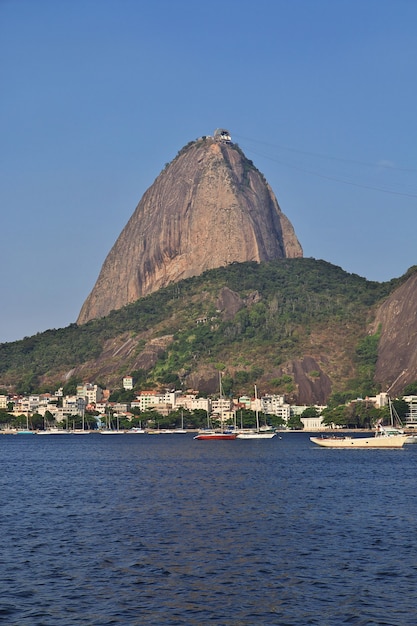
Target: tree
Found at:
x=411, y=389
x=37, y=421
x=337, y=415
x=49, y=418
x=70, y=387
x=310, y=411
x=122, y=395
x=276, y=421
x=5, y=417
x=197, y=419
x=295, y=423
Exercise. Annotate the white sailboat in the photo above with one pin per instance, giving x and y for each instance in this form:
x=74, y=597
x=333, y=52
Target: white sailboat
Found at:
x=258, y=433
x=209, y=434
x=181, y=431
x=110, y=431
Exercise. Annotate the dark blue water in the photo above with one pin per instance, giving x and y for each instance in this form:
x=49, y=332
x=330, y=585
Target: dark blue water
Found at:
x=139, y=529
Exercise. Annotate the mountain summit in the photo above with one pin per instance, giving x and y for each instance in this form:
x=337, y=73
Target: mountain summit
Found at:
x=208, y=208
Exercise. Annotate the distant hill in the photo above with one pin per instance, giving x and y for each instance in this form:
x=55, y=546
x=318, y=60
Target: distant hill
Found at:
x=208, y=208
x=297, y=326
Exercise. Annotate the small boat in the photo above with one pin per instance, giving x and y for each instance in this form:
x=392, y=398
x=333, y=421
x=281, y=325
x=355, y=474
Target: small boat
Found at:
x=112, y=432
x=214, y=434
x=159, y=431
x=54, y=431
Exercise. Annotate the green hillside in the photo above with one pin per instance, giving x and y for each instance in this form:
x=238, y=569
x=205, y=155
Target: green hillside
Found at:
x=278, y=313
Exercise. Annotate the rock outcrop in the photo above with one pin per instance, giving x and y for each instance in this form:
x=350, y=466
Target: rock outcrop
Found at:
x=396, y=319
x=208, y=208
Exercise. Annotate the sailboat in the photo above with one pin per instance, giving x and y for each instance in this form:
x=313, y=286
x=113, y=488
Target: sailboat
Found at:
x=25, y=431
x=110, y=431
x=181, y=430
x=258, y=433
x=210, y=434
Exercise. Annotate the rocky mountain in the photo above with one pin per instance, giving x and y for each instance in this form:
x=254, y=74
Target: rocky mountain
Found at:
x=396, y=320
x=208, y=208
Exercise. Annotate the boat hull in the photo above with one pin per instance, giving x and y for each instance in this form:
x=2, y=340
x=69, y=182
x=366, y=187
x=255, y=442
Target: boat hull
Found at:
x=395, y=441
x=215, y=436
x=53, y=432
x=255, y=435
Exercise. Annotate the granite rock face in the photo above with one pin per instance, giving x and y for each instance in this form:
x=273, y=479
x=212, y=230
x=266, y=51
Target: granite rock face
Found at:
x=208, y=208
x=396, y=320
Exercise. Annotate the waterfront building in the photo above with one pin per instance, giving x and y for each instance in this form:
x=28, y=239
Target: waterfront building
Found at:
x=193, y=403
x=313, y=423
x=411, y=416
x=73, y=405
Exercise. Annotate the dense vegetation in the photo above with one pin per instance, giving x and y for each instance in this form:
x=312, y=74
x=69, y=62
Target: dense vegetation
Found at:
x=283, y=304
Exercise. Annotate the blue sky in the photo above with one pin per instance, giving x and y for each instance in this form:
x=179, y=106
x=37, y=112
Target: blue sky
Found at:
x=97, y=95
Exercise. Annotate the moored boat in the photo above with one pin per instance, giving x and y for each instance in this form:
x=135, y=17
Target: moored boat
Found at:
x=53, y=431
x=259, y=432
x=213, y=434
x=112, y=432
x=385, y=436
x=382, y=439
x=256, y=434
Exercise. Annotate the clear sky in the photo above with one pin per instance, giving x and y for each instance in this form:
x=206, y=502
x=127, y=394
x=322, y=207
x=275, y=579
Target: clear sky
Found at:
x=97, y=95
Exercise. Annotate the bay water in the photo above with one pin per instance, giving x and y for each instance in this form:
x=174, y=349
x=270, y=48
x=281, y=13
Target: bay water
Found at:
x=165, y=530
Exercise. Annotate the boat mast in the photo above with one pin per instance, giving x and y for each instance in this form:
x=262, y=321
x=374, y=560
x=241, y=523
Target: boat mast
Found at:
x=256, y=410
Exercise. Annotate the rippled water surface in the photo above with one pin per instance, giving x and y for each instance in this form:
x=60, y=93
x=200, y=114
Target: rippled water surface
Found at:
x=165, y=530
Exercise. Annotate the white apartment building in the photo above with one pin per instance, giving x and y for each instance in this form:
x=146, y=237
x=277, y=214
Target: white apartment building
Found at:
x=91, y=393
x=193, y=403
x=221, y=407
x=56, y=411
x=26, y=405
x=127, y=382
x=73, y=405
x=275, y=405
x=3, y=401
x=170, y=397
x=150, y=399
x=146, y=400
x=411, y=417
x=380, y=400
x=270, y=404
x=119, y=407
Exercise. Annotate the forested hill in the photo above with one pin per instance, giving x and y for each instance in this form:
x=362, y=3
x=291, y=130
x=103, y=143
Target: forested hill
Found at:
x=294, y=326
